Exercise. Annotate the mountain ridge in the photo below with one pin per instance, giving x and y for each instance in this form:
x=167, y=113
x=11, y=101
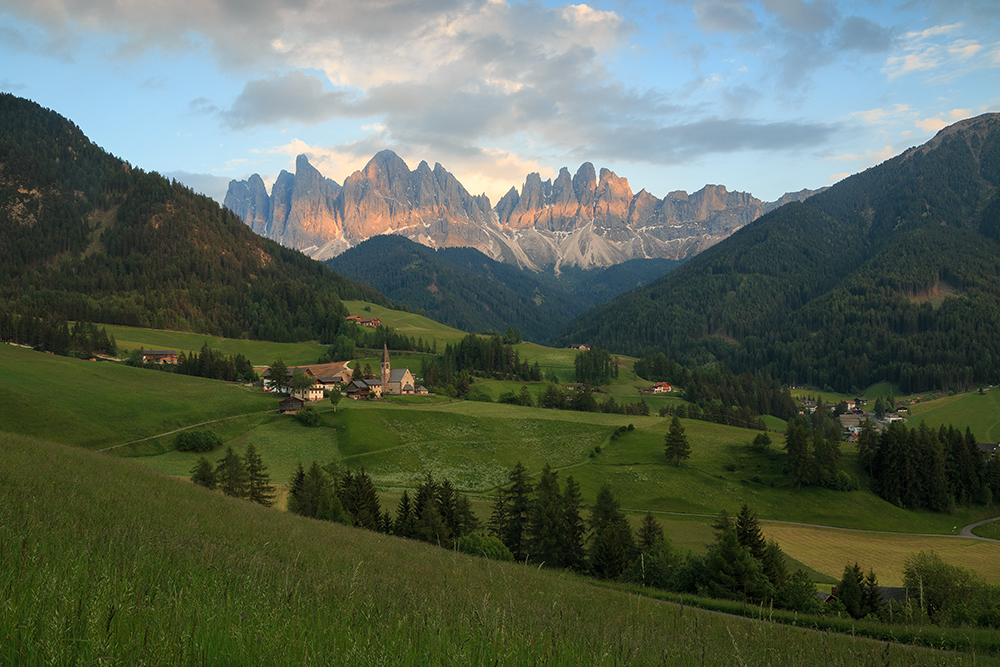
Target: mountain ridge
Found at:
x=589, y=220
x=822, y=292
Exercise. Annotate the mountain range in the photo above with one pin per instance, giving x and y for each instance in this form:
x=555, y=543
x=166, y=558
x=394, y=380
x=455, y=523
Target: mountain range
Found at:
x=891, y=274
x=587, y=220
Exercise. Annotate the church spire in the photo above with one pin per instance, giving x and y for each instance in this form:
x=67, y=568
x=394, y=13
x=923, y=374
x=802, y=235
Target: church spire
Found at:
x=385, y=367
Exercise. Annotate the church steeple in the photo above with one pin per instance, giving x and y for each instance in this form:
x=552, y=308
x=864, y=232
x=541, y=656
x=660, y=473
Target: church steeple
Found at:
x=385, y=367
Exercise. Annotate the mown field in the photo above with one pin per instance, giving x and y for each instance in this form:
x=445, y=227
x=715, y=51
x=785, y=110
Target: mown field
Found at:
x=163, y=572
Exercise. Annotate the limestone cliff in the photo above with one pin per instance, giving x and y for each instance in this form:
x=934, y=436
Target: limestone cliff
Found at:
x=591, y=219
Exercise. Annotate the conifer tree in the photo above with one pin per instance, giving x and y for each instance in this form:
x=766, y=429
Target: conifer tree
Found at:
x=406, y=522
x=797, y=447
x=676, y=443
x=871, y=595
x=203, y=473
x=612, y=542
x=545, y=519
x=519, y=494
x=849, y=590
x=574, y=530
x=748, y=533
x=499, y=523
x=231, y=475
x=774, y=566
x=259, y=488
x=650, y=533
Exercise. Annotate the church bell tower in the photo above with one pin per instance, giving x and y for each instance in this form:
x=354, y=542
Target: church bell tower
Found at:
x=385, y=368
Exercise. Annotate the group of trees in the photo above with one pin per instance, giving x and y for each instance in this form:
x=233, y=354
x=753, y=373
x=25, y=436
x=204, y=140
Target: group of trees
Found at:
x=477, y=356
x=54, y=334
x=207, y=364
x=925, y=468
x=716, y=390
x=717, y=413
x=437, y=513
x=595, y=367
x=543, y=523
x=353, y=337
x=555, y=397
x=241, y=477
x=813, y=454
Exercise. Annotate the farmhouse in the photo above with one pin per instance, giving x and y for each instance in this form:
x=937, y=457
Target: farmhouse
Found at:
x=159, y=356
x=582, y=347
x=662, y=388
x=291, y=405
x=364, y=389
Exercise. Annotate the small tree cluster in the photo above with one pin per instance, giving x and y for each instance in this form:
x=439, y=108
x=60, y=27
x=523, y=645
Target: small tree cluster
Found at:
x=437, y=514
x=241, y=477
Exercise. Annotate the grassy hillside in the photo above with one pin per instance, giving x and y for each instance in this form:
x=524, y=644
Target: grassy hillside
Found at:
x=101, y=404
x=259, y=352
x=472, y=444
x=410, y=324
x=162, y=572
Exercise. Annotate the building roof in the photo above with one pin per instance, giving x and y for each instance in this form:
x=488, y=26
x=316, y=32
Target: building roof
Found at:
x=397, y=374
x=385, y=353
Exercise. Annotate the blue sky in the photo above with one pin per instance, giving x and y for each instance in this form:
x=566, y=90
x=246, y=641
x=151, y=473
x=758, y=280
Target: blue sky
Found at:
x=766, y=96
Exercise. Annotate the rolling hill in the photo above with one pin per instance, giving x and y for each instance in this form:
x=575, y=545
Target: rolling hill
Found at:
x=91, y=237
x=892, y=274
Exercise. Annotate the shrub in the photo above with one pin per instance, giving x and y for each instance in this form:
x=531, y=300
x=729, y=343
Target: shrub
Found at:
x=308, y=417
x=200, y=440
x=486, y=546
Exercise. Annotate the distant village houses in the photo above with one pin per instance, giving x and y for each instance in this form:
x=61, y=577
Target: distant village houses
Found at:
x=398, y=382
x=581, y=347
x=372, y=322
x=159, y=356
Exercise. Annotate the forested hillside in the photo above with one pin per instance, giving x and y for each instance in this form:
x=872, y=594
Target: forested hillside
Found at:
x=465, y=289
x=461, y=287
x=86, y=236
x=893, y=274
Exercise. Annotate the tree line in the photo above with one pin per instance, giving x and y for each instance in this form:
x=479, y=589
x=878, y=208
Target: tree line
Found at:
x=925, y=468
x=54, y=334
x=207, y=363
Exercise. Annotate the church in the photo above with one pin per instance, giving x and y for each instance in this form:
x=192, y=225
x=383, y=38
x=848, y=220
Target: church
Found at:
x=399, y=382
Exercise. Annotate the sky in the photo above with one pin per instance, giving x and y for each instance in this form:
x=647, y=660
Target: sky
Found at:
x=766, y=97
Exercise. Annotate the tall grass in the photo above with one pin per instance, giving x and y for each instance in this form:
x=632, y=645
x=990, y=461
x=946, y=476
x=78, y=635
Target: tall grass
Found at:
x=104, y=561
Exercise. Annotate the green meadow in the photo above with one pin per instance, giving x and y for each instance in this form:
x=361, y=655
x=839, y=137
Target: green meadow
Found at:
x=103, y=561
x=411, y=324
x=259, y=352
x=472, y=444
x=101, y=404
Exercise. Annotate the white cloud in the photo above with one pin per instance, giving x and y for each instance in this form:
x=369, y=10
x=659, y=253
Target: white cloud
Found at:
x=931, y=125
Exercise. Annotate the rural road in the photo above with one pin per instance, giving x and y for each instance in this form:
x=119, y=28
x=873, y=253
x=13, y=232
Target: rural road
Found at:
x=966, y=531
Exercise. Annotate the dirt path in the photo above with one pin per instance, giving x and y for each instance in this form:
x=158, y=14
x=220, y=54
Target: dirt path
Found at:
x=176, y=430
x=966, y=531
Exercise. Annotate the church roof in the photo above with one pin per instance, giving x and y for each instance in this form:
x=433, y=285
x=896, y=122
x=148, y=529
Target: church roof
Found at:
x=396, y=374
x=385, y=353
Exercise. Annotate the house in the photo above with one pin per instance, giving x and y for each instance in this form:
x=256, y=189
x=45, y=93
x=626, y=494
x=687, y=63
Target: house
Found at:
x=330, y=382
x=158, y=356
x=291, y=405
x=988, y=448
x=662, y=388
x=364, y=389
x=584, y=348
x=353, y=318
x=372, y=322
x=860, y=402
x=312, y=393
